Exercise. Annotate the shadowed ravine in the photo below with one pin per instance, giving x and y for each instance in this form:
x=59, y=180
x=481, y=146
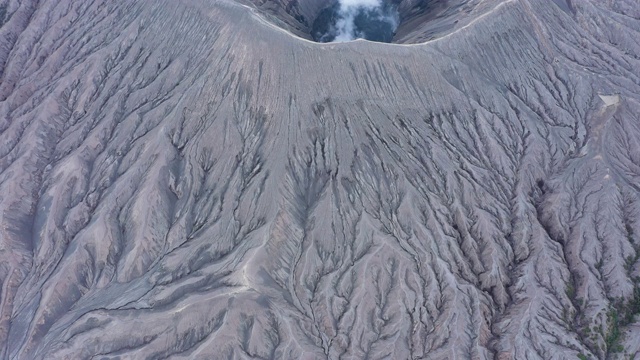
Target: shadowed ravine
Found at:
x=185, y=179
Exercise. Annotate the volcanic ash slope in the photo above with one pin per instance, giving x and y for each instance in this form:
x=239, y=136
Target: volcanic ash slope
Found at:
x=184, y=179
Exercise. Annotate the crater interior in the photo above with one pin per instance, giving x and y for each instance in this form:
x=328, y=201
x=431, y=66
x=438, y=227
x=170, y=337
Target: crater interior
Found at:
x=414, y=21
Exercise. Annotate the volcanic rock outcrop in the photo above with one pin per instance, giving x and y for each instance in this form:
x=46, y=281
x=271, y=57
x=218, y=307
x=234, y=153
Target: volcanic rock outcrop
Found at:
x=196, y=179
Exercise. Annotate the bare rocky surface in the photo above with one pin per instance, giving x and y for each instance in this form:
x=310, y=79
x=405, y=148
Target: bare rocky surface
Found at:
x=186, y=179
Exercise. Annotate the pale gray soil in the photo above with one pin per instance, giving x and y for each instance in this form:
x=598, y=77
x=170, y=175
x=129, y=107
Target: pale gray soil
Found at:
x=184, y=179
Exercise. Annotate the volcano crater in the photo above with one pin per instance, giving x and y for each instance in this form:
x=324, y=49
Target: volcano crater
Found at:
x=390, y=21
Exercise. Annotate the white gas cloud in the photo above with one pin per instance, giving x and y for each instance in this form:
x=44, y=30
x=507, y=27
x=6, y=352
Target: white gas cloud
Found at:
x=349, y=9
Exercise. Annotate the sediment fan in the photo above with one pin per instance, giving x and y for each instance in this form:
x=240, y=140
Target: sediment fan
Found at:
x=197, y=179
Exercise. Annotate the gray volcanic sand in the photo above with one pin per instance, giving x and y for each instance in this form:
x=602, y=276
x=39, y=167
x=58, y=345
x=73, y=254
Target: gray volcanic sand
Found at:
x=194, y=179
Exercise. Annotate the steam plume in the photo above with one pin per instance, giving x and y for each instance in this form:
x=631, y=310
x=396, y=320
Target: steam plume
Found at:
x=368, y=19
